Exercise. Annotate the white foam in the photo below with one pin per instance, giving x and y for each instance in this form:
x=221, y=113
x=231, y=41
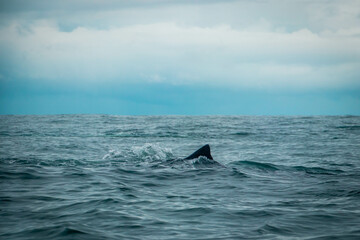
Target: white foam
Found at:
x=112, y=154
x=152, y=152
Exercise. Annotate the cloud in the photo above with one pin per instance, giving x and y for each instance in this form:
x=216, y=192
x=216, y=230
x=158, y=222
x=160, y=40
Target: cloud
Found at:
x=241, y=44
x=291, y=16
x=184, y=55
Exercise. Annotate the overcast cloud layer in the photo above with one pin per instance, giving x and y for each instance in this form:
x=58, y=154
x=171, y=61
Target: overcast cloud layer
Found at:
x=276, y=45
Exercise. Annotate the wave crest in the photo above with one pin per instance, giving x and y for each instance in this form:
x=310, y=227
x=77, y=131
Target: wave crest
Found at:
x=146, y=153
x=152, y=152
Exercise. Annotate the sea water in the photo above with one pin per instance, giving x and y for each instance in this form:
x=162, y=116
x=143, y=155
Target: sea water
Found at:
x=113, y=177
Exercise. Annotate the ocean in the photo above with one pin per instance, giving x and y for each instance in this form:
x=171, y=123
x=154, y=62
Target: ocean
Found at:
x=123, y=177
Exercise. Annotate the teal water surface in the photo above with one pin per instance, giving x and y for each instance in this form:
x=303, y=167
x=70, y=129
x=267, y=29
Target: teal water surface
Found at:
x=114, y=177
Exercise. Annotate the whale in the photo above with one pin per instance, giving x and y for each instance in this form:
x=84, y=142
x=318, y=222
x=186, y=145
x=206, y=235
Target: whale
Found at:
x=204, y=151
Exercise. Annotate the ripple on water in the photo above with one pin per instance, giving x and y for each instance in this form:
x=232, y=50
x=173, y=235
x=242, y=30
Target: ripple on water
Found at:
x=122, y=177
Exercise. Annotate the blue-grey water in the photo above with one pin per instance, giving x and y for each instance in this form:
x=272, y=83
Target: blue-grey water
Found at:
x=114, y=177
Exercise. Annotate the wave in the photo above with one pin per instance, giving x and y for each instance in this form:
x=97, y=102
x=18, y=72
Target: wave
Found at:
x=157, y=160
x=192, y=211
x=273, y=167
x=244, y=134
x=332, y=236
x=26, y=175
x=157, y=157
x=142, y=133
x=196, y=163
x=154, y=156
x=54, y=232
x=152, y=152
x=349, y=127
x=257, y=165
x=146, y=153
x=317, y=170
x=272, y=229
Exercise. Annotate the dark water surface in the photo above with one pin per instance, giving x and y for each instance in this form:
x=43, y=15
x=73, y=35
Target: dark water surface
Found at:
x=110, y=177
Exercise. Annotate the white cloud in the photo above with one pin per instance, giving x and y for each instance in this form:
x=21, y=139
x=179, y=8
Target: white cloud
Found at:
x=238, y=44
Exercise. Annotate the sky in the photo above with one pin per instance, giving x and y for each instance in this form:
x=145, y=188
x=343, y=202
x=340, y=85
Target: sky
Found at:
x=180, y=57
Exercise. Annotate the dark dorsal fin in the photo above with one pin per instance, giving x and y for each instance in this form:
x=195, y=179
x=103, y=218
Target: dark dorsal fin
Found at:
x=203, y=151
